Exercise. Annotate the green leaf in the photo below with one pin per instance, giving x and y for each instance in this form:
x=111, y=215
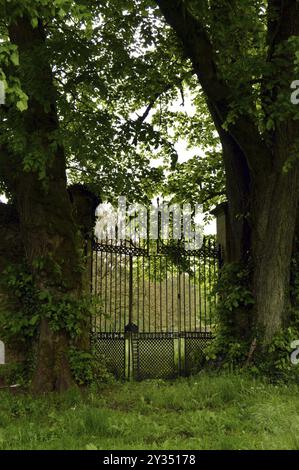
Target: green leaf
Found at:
x=22, y=105
x=34, y=22
x=15, y=58
x=34, y=320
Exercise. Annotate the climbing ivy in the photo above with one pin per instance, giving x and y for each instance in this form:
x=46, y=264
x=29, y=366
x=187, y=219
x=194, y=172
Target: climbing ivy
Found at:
x=87, y=368
x=30, y=304
x=234, y=310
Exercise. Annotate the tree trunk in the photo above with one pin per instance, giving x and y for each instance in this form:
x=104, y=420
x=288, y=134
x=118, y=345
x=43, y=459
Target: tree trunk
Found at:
x=53, y=371
x=274, y=220
x=48, y=230
x=238, y=181
x=262, y=199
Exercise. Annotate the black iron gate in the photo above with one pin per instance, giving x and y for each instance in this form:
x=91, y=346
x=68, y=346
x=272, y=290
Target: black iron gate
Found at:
x=157, y=305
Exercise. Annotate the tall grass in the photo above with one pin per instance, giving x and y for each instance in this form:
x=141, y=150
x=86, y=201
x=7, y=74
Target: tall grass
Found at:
x=204, y=412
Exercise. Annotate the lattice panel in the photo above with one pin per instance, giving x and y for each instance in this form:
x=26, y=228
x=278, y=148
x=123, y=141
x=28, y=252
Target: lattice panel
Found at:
x=111, y=348
x=154, y=356
x=195, y=345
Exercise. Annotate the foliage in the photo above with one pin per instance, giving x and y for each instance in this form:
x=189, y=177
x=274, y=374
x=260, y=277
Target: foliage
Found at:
x=16, y=373
x=65, y=312
x=29, y=304
x=200, y=179
x=234, y=310
x=18, y=283
x=233, y=287
x=118, y=71
x=87, y=368
x=276, y=361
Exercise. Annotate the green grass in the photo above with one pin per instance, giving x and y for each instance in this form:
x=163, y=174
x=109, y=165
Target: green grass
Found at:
x=205, y=412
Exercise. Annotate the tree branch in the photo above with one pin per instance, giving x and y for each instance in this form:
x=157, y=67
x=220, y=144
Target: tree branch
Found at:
x=168, y=86
x=199, y=49
x=140, y=120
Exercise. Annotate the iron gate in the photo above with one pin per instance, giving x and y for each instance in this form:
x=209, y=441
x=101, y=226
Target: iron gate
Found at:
x=156, y=311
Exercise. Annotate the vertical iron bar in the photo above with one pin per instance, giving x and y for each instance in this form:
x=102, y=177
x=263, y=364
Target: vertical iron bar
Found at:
x=91, y=268
x=121, y=326
x=130, y=289
x=143, y=293
x=189, y=296
x=184, y=284
x=205, y=286
x=115, y=290
x=110, y=287
x=94, y=325
x=199, y=288
x=194, y=288
x=179, y=312
x=214, y=275
x=210, y=286
x=106, y=287
x=179, y=301
x=155, y=284
x=172, y=296
x=160, y=283
x=125, y=293
x=101, y=290
x=166, y=293
x=149, y=293
x=96, y=281
x=138, y=292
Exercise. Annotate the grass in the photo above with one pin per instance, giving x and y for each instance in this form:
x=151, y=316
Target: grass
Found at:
x=204, y=412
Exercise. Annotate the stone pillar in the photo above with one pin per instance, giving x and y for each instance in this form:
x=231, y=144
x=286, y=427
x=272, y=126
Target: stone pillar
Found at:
x=220, y=212
x=84, y=207
x=84, y=204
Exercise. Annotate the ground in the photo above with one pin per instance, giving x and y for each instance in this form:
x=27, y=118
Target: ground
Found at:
x=204, y=412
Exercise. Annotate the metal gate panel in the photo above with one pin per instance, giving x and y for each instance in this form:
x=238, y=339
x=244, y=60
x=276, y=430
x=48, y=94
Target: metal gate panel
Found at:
x=111, y=349
x=157, y=306
x=154, y=356
x=194, y=349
